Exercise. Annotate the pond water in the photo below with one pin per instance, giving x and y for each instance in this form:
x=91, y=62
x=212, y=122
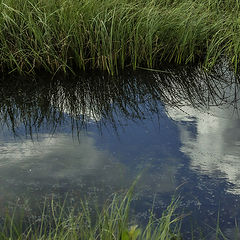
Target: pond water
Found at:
x=91, y=136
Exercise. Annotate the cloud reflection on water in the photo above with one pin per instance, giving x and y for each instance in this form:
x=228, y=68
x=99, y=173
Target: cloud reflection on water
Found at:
x=212, y=143
x=57, y=165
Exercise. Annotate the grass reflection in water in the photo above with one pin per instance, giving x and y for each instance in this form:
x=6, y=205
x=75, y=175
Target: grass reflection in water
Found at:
x=37, y=106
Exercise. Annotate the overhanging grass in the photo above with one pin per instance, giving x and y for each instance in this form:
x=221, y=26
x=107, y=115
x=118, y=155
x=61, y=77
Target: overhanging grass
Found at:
x=63, y=35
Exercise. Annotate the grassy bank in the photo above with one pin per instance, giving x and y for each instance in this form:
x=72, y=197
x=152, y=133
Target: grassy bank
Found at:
x=62, y=35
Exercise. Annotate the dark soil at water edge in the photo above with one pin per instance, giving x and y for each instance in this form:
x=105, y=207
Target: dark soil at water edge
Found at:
x=70, y=35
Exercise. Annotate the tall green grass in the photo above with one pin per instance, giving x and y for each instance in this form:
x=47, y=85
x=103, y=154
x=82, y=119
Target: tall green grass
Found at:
x=70, y=35
x=112, y=222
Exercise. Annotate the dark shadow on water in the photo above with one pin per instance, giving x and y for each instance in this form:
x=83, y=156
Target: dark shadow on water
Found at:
x=45, y=104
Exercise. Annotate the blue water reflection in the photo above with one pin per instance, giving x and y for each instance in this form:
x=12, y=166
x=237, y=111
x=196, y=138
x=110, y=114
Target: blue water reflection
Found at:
x=186, y=151
x=210, y=140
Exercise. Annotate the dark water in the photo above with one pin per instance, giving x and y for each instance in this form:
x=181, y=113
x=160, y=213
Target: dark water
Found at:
x=90, y=136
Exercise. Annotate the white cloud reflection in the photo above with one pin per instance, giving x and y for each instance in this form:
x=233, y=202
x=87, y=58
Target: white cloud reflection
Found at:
x=57, y=157
x=212, y=140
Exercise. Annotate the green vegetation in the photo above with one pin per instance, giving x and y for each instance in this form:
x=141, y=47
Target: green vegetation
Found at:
x=110, y=223
x=114, y=221
x=63, y=35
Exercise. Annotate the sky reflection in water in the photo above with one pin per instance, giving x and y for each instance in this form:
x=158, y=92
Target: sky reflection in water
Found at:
x=214, y=149
x=169, y=131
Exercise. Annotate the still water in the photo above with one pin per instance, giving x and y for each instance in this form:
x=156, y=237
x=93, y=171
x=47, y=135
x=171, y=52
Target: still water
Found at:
x=91, y=136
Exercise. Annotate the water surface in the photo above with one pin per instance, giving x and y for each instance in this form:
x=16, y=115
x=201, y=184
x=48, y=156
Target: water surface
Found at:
x=90, y=136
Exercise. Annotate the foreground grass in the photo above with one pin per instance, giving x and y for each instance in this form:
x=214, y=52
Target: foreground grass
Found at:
x=111, y=223
x=63, y=35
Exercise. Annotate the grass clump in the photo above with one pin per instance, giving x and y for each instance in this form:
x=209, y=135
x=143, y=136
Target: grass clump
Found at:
x=113, y=221
x=65, y=35
x=110, y=223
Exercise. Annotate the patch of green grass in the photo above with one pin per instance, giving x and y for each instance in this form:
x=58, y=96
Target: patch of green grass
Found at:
x=113, y=221
x=65, y=35
x=110, y=223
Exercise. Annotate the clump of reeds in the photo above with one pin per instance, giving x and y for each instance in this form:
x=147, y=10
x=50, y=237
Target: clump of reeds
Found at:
x=113, y=221
x=65, y=35
x=110, y=223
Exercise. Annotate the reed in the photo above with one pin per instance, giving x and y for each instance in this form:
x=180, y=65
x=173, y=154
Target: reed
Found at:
x=70, y=35
x=112, y=222
x=60, y=220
